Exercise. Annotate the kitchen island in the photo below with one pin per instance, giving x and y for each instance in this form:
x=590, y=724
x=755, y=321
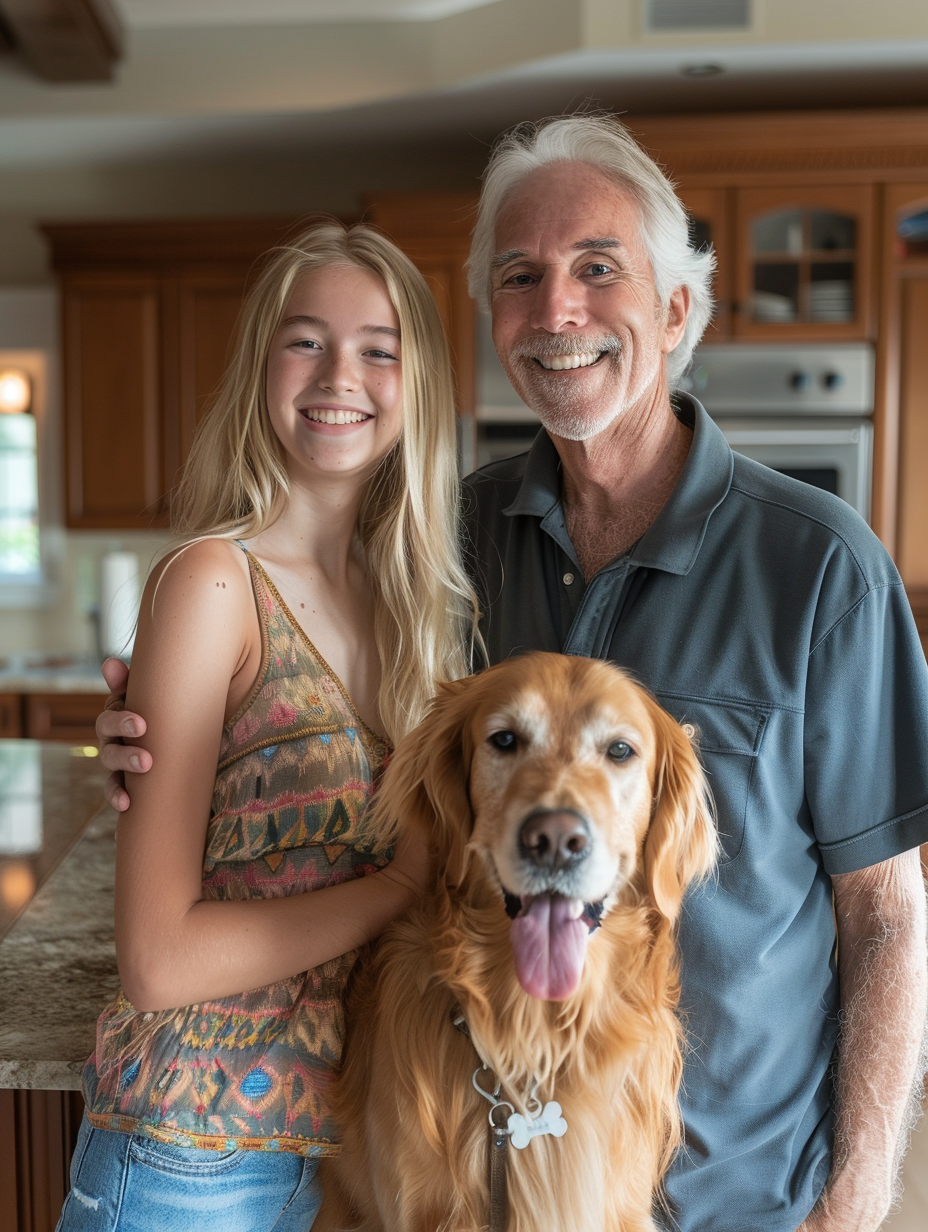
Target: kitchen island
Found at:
x=57, y=963
x=58, y=966
x=57, y=955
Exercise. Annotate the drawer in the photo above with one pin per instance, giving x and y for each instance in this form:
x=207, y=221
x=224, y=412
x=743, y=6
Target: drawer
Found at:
x=11, y=716
x=62, y=716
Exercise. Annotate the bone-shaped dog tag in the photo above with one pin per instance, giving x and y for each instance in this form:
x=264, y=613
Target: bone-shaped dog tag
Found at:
x=523, y=1129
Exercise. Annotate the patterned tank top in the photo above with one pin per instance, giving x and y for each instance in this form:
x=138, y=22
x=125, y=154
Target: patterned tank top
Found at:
x=297, y=766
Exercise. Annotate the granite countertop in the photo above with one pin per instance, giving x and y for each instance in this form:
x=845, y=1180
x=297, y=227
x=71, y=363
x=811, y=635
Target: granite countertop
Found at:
x=51, y=673
x=57, y=951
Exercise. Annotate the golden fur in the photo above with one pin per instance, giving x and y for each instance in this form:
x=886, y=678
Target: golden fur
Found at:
x=415, y=1132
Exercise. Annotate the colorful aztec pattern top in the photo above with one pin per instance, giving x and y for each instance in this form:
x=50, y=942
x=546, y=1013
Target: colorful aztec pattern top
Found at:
x=297, y=767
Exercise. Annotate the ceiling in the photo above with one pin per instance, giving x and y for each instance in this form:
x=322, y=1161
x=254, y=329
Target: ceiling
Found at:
x=225, y=78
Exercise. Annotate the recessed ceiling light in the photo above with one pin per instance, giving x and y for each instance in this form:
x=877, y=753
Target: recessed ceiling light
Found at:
x=702, y=70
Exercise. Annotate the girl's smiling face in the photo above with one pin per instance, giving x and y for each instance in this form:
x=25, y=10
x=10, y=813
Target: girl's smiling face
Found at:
x=334, y=375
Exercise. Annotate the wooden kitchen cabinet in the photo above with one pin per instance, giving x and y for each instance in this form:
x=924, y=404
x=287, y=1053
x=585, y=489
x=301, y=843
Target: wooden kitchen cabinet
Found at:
x=38, y=1132
x=902, y=369
x=114, y=431
x=803, y=263
x=794, y=263
x=11, y=716
x=149, y=314
x=205, y=312
x=142, y=357
x=62, y=716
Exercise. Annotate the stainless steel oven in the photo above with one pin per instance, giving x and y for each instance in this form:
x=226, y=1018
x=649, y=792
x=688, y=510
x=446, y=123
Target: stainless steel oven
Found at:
x=804, y=409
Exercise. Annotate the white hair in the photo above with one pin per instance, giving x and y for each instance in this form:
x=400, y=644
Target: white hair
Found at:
x=606, y=144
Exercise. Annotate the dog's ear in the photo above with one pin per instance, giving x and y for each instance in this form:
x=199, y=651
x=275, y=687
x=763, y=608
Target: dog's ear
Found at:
x=425, y=782
x=682, y=841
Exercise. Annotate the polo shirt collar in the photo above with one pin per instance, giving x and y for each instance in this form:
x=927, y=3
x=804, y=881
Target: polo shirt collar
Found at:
x=672, y=543
x=540, y=489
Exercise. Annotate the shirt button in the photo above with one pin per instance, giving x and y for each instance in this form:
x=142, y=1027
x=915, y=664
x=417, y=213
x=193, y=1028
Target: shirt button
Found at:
x=568, y=579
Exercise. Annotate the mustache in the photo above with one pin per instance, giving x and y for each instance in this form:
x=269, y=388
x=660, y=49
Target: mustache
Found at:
x=550, y=346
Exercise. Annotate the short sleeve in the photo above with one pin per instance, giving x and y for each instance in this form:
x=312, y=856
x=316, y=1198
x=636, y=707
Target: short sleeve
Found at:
x=866, y=733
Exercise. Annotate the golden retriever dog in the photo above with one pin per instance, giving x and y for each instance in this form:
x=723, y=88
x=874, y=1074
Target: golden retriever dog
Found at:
x=567, y=813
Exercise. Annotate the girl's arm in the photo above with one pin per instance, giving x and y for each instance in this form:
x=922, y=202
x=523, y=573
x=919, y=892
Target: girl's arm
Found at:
x=193, y=662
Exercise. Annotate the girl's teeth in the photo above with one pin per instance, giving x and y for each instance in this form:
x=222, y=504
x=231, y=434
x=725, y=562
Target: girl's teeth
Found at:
x=560, y=363
x=335, y=417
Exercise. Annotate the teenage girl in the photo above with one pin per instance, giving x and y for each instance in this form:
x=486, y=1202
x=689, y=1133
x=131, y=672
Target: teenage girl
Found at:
x=301, y=630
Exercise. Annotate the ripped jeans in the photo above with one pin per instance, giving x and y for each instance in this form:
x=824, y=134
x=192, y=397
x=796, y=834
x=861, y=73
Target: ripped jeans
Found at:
x=130, y=1183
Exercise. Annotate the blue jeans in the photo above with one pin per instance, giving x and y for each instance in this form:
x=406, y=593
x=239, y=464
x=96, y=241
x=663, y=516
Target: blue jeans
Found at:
x=130, y=1183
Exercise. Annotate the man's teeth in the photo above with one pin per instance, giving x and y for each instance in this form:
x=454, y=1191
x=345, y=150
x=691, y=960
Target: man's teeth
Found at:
x=560, y=363
x=336, y=417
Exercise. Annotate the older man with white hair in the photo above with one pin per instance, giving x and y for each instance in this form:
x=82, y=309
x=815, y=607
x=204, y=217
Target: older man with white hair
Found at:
x=760, y=610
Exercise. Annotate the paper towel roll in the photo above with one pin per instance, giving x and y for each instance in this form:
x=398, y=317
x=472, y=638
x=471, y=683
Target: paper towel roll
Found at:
x=120, y=590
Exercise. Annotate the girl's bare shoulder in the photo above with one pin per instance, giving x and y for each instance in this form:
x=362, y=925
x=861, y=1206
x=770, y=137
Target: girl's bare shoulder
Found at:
x=197, y=627
x=200, y=569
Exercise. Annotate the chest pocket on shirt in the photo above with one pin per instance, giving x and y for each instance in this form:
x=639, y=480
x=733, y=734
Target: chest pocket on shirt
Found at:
x=728, y=740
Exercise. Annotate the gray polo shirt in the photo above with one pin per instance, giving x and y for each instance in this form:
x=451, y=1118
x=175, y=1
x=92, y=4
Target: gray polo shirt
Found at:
x=768, y=614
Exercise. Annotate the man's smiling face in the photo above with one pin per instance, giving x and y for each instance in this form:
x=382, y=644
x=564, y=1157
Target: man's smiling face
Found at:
x=576, y=318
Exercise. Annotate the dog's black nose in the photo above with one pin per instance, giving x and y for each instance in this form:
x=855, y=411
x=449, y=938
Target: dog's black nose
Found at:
x=554, y=839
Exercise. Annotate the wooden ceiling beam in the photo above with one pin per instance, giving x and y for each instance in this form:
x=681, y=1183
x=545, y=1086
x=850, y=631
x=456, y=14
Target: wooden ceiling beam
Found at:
x=65, y=40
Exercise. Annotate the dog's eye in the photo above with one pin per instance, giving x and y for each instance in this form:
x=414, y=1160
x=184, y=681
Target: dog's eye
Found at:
x=505, y=741
x=620, y=751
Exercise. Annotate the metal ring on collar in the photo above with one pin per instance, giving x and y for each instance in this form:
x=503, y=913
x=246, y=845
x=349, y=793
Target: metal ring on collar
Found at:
x=494, y=1098
x=501, y=1126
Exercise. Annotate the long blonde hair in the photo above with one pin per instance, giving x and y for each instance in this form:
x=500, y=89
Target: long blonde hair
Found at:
x=235, y=481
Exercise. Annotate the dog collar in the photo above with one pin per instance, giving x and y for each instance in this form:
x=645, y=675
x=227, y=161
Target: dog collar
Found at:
x=592, y=914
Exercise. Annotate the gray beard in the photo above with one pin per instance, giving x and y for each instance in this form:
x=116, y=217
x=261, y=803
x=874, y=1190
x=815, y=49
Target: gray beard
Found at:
x=563, y=410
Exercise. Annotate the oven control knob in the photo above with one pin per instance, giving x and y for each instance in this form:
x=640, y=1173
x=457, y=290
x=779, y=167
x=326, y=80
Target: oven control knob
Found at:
x=833, y=380
x=799, y=381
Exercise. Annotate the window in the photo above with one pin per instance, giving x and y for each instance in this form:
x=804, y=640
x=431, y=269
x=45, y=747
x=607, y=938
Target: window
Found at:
x=28, y=551
x=19, y=499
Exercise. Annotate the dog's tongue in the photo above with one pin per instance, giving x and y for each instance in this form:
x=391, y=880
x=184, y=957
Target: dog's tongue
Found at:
x=549, y=947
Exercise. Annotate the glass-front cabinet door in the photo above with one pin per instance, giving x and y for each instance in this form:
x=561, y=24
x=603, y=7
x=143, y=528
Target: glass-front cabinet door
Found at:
x=804, y=263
